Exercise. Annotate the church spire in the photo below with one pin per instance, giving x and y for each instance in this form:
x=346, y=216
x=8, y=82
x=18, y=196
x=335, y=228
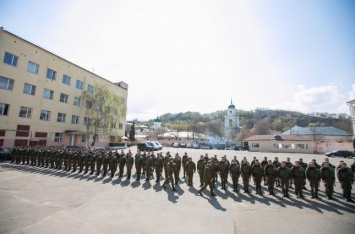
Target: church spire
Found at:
x=231, y=105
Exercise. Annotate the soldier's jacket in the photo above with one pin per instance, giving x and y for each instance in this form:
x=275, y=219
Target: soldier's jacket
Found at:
x=99, y=159
x=284, y=173
x=184, y=159
x=105, y=159
x=276, y=164
x=166, y=161
x=158, y=163
x=303, y=165
x=223, y=167
x=148, y=162
x=327, y=173
x=190, y=167
x=235, y=169
x=207, y=175
x=129, y=161
x=177, y=161
x=298, y=173
x=352, y=167
x=171, y=168
x=139, y=161
x=201, y=164
x=122, y=160
x=289, y=165
x=345, y=175
x=312, y=173
x=264, y=163
x=245, y=169
x=270, y=170
x=113, y=163
x=215, y=168
x=257, y=171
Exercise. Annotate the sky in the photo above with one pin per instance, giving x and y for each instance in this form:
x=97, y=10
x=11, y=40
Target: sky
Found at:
x=197, y=55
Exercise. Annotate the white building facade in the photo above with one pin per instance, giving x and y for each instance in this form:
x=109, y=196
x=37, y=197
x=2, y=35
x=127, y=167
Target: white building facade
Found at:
x=231, y=123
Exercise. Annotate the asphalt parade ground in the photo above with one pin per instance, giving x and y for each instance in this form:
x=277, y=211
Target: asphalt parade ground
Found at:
x=42, y=200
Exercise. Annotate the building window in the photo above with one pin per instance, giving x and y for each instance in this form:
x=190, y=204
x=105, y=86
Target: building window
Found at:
x=6, y=83
x=51, y=74
x=277, y=146
x=32, y=67
x=63, y=98
x=74, y=119
x=83, y=138
x=61, y=117
x=58, y=137
x=76, y=101
x=48, y=94
x=25, y=112
x=86, y=121
x=255, y=145
x=79, y=84
x=4, y=109
x=112, y=138
x=90, y=88
x=120, y=125
x=10, y=59
x=29, y=89
x=113, y=125
x=66, y=80
x=45, y=115
x=88, y=105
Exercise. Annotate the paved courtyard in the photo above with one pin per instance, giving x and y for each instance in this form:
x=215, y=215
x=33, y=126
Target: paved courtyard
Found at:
x=41, y=200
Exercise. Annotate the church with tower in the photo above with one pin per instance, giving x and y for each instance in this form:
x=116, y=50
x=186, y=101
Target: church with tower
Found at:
x=231, y=123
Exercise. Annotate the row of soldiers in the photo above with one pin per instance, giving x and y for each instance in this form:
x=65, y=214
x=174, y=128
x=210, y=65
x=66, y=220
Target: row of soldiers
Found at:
x=282, y=174
x=83, y=160
x=273, y=173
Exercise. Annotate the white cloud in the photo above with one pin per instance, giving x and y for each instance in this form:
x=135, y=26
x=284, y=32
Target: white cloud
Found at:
x=326, y=98
x=352, y=93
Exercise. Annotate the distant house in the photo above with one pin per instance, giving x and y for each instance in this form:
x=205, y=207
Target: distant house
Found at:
x=325, y=138
x=351, y=105
x=279, y=143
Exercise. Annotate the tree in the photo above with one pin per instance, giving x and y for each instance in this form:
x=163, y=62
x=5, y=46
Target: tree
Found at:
x=132, y=133
x=243, y=134
x=214, y=128
x=316, y=137
x=104, y=110
x=262, y=127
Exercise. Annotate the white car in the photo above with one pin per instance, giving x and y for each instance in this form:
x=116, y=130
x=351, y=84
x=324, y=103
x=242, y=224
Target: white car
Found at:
x=158, y=144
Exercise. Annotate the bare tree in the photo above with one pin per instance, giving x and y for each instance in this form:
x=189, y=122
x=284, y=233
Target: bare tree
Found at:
x=262, y=127
x=316, y=137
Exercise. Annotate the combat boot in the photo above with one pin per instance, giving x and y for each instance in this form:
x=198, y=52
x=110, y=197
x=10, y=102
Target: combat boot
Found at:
x=213, y=195
x=174, y=189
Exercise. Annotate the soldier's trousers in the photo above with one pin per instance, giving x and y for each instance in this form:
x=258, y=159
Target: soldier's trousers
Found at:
x=129, y=170
x=139, y=171
x=246, y=182
x=169, y=179
x=86, y=167
x=176, y=175
x=92, y=167
x=190, y=177
x=258, y=184
x=314, y=187
x=329, y=187
x=104, y=168
x=98, y=168
x=298, y=186
x=200, y=173
x=284, y=185
x=271, y=184
x=148, y=172
x=184, y=170
x=209, y=183
x=81, y=166
x=235, y=179
x=346, y=186
x=166, y=172
x=157, y=173
x=223, y=176
x=121, y=167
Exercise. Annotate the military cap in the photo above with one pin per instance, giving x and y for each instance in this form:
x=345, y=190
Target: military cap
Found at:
x=301, y=159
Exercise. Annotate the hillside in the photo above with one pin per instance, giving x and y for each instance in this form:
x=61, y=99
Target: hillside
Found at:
x=259, y=121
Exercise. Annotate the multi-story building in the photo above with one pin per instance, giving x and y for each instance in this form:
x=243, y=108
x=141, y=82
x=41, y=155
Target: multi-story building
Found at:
x=231, y=123
x=40, y=98
x=351, y=105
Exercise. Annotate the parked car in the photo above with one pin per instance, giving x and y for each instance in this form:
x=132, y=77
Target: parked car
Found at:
x=176, y=145
x=340, y=153
x=145, y=145
x=155, y=145
x=188, y=145
x=203, y=145
x=195, y=146
x=182, y=145
x=5, y=154
x=220, y=146
x=158, y=143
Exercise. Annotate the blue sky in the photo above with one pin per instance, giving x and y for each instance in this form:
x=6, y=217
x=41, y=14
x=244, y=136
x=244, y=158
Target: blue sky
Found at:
x=190, y=55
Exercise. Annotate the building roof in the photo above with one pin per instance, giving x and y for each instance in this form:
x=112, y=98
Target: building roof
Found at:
x=157, y=120
x=231, y=105
x=276, y=138
x=328, y=131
